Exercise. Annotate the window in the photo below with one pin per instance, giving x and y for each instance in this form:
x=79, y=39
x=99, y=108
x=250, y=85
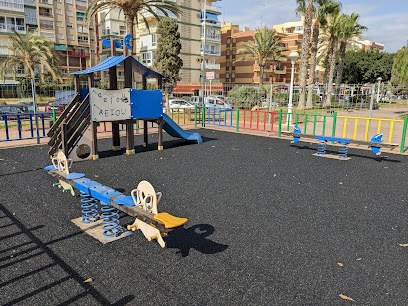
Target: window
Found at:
x=233, y=77
x=233, y=54
x=122, y=30
x=69, y=13
x=21, y=70
x=80, y=16
x=233, y=66
x=154, y=40
x=46, y=24
x=83, y=39
x=69, y=25
x=68, y=1
x=234, y=42
x=228, y=54
x=146, y=58
x=70, y=37
x=58, y=11
x=48, y=35
x=44, y=11
x=60, y=36
x=93, y=51
x=59, y=24
x=82, y=29
x=227, y=77
x=228, y=42
x=227, y=67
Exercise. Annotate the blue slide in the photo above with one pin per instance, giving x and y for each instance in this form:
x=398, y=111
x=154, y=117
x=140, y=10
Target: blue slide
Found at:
x=176, y=131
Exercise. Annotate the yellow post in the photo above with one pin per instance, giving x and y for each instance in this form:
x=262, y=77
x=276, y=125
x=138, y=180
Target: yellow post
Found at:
x=379, y=127
x=344, y=127
x=366, y=131
x=391, y=129
x=355, y=128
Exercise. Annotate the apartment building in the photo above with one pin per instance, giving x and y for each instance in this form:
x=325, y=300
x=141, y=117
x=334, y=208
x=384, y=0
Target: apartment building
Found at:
x=62, y=21
x=367, y=45
x=233, y=71
x=191, y=28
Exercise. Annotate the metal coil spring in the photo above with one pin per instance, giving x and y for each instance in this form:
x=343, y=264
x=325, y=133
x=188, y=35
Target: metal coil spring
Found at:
x=321, y=147
x=89, y=208
x=343, y=151
x=110, y=222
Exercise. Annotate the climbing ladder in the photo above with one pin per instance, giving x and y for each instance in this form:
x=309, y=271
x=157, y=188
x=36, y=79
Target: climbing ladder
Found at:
x=70, y=127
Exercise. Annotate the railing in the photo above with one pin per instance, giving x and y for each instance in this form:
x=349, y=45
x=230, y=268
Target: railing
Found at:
x=257, y=120
x=46, y=26
x=77, y=53
x=12, y=4
x=220, y=116
x=18, y=28
x=22, y=126
x=211, y=66
x=320, y=124
x=352, y=129
x=46, y=14
x=211, y=8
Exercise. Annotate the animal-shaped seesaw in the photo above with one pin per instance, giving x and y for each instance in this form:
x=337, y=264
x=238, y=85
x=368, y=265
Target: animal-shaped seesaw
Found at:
x=375, y=143
x=141, y=204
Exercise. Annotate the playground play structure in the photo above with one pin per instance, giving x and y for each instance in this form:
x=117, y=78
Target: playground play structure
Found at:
x=76, y=128
x=375, y=144
x=141, y=204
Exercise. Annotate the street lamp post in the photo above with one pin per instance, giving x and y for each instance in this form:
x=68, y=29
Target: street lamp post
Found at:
x=293, y=56
x=378, y=90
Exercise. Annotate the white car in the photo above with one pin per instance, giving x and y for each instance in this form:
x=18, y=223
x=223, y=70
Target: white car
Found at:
x=180, y=105
x=217, y=103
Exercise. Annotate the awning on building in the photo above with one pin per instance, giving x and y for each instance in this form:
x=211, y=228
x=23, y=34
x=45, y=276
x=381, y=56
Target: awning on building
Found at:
x=60, y=47
x=113, y=61
x=209, y=16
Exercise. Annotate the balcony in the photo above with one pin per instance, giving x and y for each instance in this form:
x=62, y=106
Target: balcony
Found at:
x=211, y=23
x=211, y=8
x=45, y=14
x=45, y=1
x=216, y=38
x=279, y=70
x=46, y=26
x=211, y=52
x=31, y=20
x=81, y=7
x=9, y=27
x=211, y=66
x=12, y=5
x=76, y=53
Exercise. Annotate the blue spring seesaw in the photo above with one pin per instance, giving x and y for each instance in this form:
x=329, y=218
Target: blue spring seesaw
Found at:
x=141, y=204
x=375, y=143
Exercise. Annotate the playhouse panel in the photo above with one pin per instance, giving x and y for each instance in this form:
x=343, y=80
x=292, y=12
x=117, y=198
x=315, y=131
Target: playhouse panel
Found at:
x=146, y=103
x=110, y=105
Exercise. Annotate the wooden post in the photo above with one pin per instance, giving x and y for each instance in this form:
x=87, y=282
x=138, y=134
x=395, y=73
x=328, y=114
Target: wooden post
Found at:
x=130, y=133
x=144, y=81
x=160, y=142
x=160, y=82
x=145, y=138
x=113, y=85
x=77, y=84
x=94, y=125
x=64, y=138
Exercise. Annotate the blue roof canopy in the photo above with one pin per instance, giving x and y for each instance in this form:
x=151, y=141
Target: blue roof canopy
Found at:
x=209, y=16
x=113, y=61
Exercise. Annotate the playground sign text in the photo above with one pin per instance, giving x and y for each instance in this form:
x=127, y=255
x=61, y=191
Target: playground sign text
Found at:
x=110, y=105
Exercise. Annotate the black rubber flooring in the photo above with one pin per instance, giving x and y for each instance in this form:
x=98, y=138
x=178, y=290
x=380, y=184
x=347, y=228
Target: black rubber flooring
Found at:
x=269, y=224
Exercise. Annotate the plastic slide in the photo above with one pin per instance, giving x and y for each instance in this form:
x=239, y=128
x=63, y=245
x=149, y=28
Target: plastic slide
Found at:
x=176, y=131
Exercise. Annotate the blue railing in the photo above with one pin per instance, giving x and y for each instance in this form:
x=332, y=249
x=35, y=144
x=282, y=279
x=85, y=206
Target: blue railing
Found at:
x=12, y=126
x=220, y=116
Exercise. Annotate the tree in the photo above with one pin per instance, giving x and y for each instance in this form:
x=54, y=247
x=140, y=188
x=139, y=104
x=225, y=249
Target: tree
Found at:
x=267, y=47
x=31, y=52
x=349, y=28
x=167, y=59
x=307, y=30
x=400, y=67
x=366, y=66
x=132, y=9
x=332, y=29
x=322, y=11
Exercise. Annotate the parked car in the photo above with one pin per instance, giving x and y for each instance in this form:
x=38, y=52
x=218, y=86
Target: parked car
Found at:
x=217, y=103
x=9, y=110
x=3, y=103
x=180, y=104
x=265, y=103
x=26, y=102
x=59, y=108
x=196, y=100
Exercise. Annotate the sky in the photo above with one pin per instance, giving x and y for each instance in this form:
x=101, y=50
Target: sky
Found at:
x=386, y=20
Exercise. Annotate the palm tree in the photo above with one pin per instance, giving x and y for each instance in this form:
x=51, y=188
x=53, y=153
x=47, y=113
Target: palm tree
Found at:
x=31, y=52
x=323, y=9
x=307, y=31
x=349, y=29
x=133, y=9
x=332, y=29
x=267, y=47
